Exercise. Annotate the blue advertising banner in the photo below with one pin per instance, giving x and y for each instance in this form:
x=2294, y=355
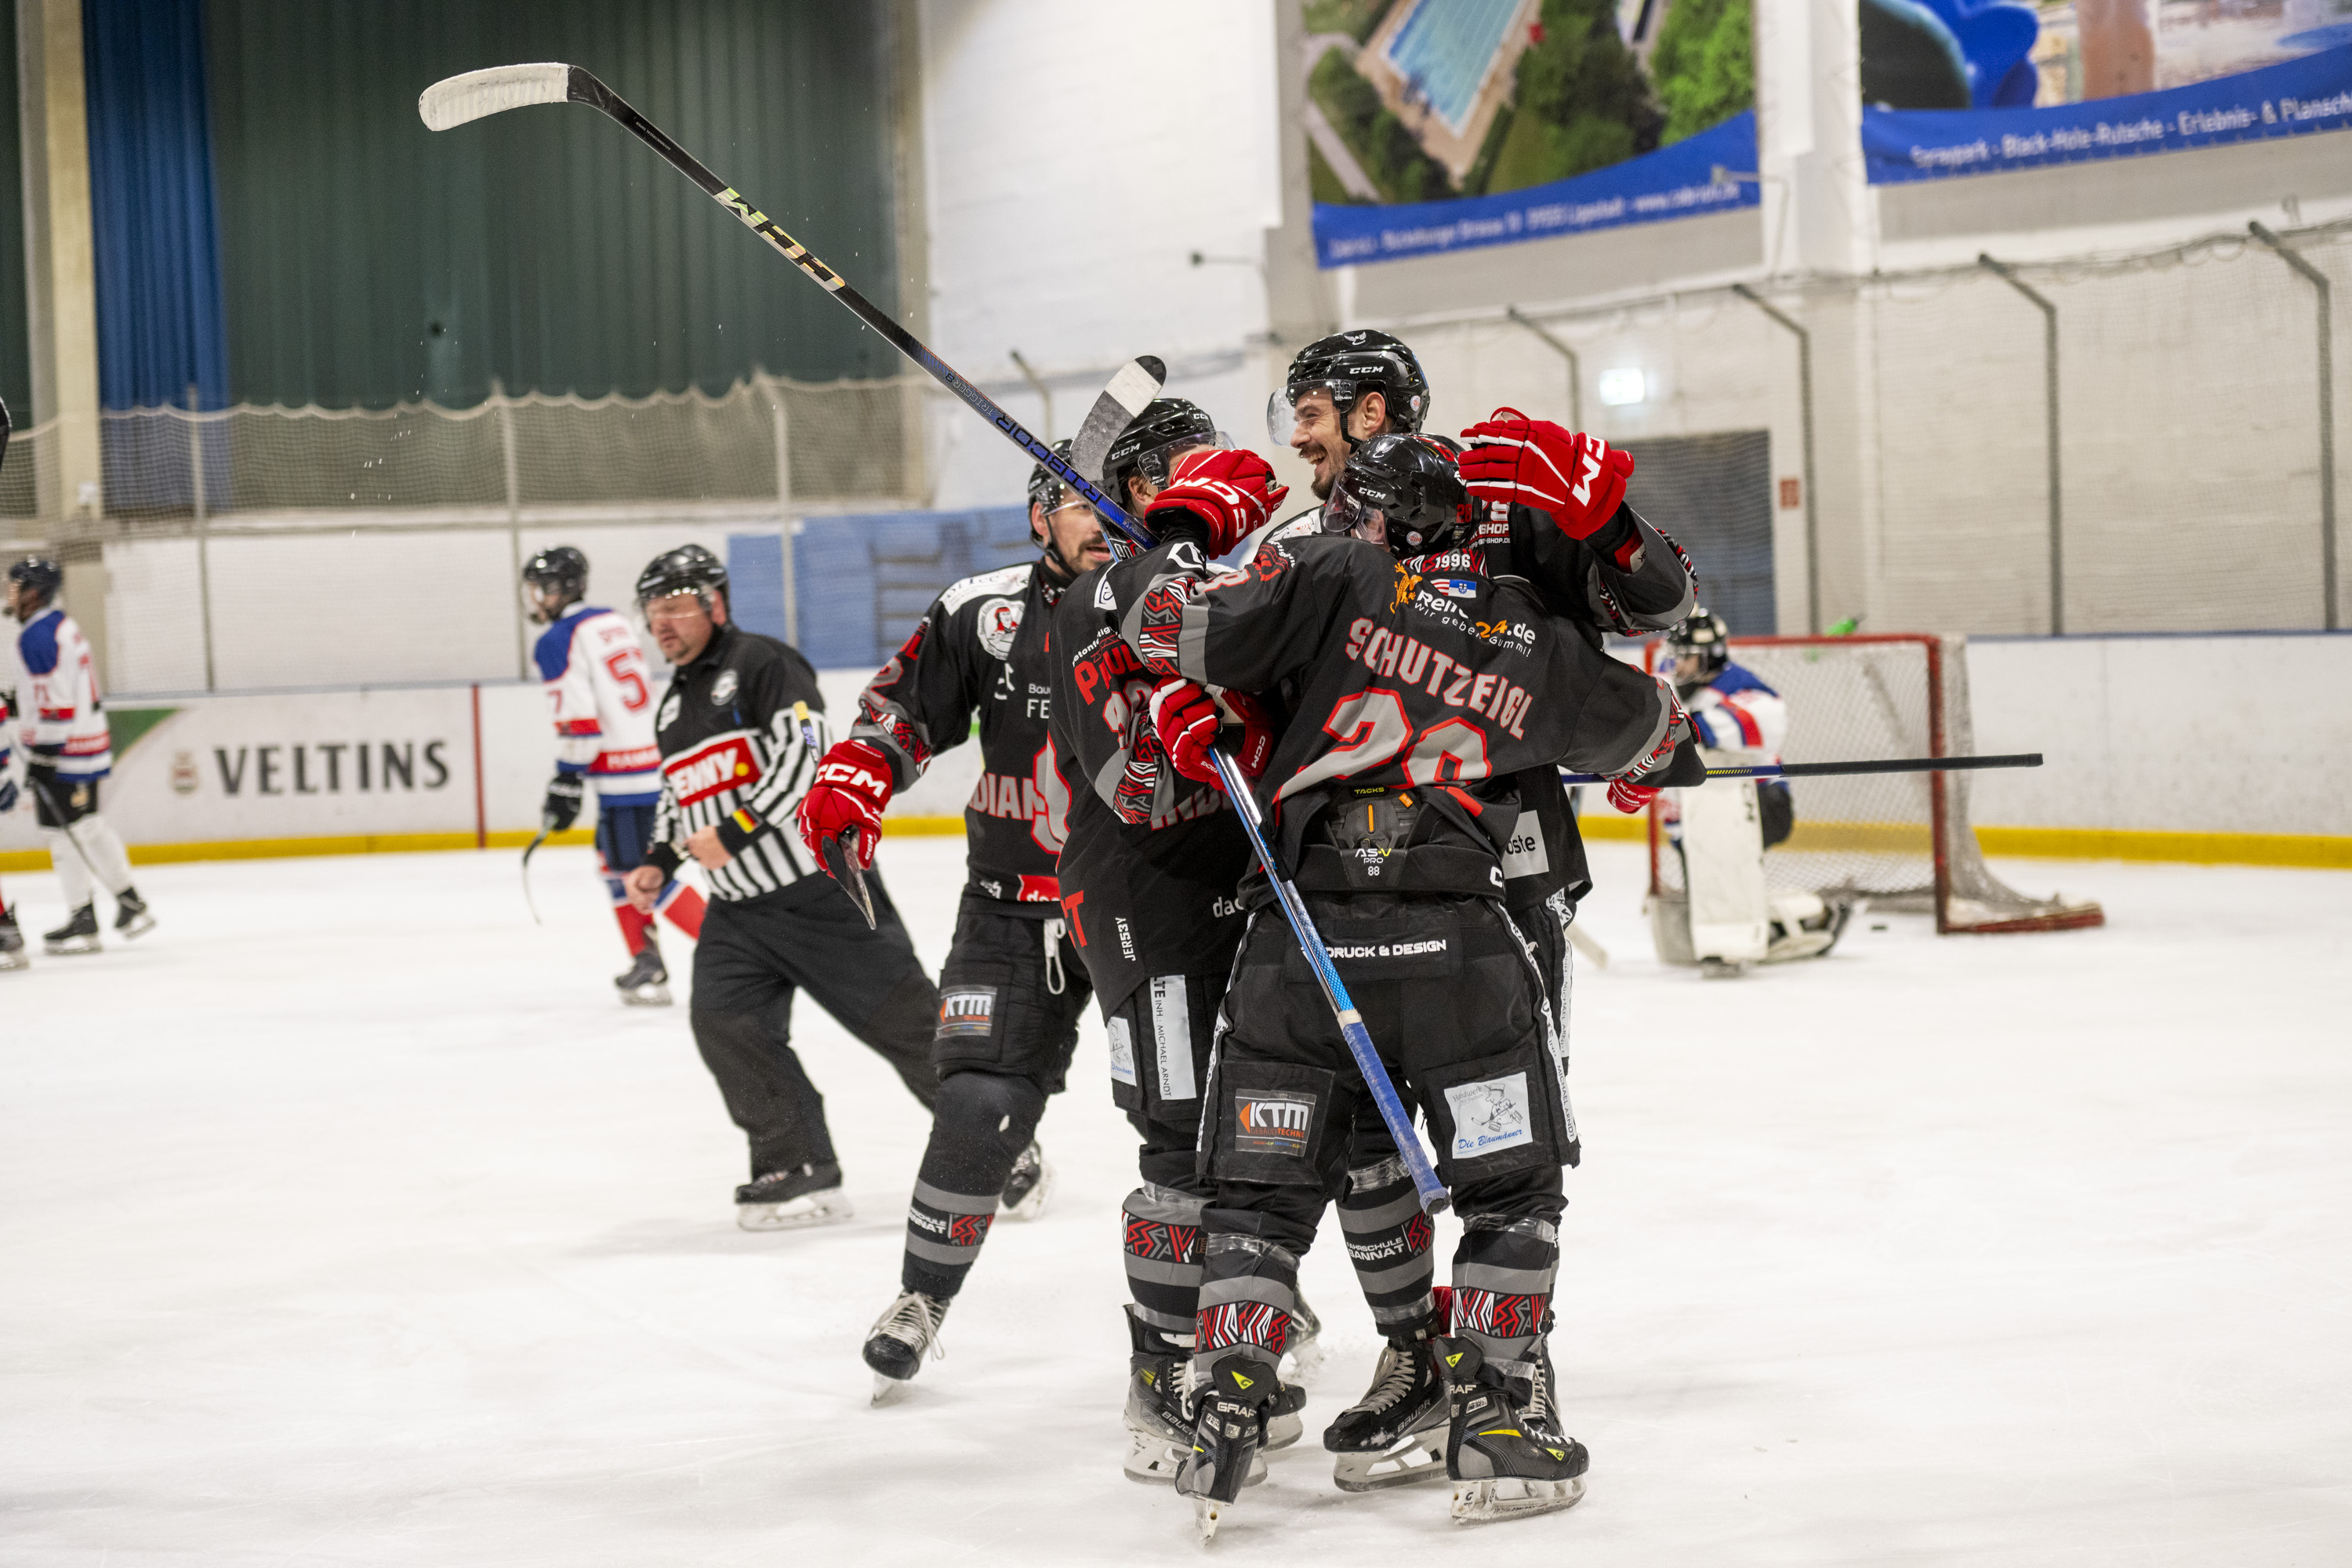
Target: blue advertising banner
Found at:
x=1679, y=181
x=2294, y=98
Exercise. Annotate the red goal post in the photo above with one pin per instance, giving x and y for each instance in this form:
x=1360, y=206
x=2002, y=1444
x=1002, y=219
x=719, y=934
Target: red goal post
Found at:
x=1902, y=841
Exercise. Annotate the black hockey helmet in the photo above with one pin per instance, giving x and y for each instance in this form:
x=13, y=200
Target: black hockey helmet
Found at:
x=1401, y=492
x=688, y=569
x=1045, y=486
x=1347, y=365
x=1166, y=426
x=1705, y=637
x=560, y=572
x=37, y=574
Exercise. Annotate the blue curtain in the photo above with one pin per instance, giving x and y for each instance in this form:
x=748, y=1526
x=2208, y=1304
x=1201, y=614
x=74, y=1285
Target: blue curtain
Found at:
x=152, y=215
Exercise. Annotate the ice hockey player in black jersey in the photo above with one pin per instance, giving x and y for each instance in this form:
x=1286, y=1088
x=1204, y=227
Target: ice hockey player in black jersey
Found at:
x=1412, y=707
x=1150, y=905
x=741, y=730
x=1012, y=988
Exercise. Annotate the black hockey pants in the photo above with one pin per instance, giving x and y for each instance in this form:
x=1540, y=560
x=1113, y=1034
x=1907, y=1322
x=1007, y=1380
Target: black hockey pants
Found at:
x=1010, y=998
x=753, y=955
x=1455, y=1005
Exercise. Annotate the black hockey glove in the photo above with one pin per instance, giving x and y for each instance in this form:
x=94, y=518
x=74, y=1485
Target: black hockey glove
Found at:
x=561, y=807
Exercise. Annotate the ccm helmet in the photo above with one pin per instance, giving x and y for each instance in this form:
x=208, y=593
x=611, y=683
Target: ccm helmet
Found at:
x=1705, y=637
x=1347, y=365
x=1403, y=493
x=688, y=569
x=1167, y=426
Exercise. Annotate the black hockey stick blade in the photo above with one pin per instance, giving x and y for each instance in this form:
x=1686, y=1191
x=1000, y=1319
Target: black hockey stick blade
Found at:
x=841, y=865
x=1847, y=770
x=1130, y=393
x=529, y=849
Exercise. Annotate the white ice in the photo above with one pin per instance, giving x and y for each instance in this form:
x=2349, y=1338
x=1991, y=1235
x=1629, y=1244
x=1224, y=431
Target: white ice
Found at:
x=348, y=1219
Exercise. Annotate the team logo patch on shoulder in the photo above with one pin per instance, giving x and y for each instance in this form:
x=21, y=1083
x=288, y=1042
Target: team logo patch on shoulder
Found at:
x=1455, y=587
x=1490, y=1115
x=668, y=714
x=969, y=1012
x=1272, y=1123
x=724, y=686
x=999, y=620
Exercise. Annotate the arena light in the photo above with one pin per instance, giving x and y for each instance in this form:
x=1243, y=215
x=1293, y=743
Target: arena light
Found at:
x=1623, y=386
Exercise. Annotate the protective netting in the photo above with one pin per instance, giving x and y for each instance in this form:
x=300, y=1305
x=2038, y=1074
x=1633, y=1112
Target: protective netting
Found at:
x=1872, y=836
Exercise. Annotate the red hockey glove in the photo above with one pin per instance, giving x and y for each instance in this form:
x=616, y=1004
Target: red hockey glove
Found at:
x=853, y=786
x=1637, y=785
x=1231, y=490
x=1580, y=480
x=1187, y=720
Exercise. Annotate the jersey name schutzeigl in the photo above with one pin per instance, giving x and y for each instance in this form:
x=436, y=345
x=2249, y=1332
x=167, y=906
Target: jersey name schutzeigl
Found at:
x=731, y=748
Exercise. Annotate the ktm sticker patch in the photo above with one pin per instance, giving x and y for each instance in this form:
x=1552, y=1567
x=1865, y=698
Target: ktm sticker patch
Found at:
x=1272, y=1123
x=1490, y=1115
x=968, y=1013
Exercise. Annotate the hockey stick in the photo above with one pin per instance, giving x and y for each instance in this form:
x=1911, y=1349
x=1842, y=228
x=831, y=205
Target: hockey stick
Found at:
x=1434, y=1198
x=65, y=825
x=1130, y=391
x=529, y=850
x=836, y=852
x=454, y=100
x=1846, y=770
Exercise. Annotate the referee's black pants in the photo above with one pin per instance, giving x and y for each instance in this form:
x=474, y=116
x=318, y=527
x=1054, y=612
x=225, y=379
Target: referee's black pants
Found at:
x=753, y=953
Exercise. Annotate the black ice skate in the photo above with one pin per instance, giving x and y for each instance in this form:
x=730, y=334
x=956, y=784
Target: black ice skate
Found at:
x=78, y=934
x=1504, y=1450
x=130, y=916
x=1157, y=1416
x=1229, y=1430
x=796, y=1199
x=1395, y=1435
x=12, y=942
x=1029, y=1186
x=894, y=1346
x=646, y=984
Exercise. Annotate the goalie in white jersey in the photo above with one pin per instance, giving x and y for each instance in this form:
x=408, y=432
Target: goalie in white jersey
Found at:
x=68, y=749
x=603, y=706
x=1729, y=918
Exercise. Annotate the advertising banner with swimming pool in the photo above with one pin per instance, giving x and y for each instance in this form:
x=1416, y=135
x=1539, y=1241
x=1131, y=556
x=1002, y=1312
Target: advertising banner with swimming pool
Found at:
x=1438, y=125
x=1972, y=87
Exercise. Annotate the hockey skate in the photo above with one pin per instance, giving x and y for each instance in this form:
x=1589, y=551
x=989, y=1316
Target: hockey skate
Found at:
x=12, y=944
x=1229, y=1429
x=78, y=934
x=794, y=1200
x=1029, y=1186
x=1396, y=1434
x=646, y=984
x=1158, y=1413
x=896, y=1345
x=1504, y=1449
x=131, y=915
x=1304, y=1348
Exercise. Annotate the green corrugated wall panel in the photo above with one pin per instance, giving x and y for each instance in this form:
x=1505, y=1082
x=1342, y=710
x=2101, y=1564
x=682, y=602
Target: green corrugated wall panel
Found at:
x=550, y=247
x=15, y=351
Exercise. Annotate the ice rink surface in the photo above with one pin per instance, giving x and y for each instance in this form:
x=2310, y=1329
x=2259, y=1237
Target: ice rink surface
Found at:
x=348, y=1219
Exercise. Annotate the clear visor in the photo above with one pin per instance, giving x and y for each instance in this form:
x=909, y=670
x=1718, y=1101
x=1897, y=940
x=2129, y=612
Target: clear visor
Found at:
x=1282, y=408
x=1347, y=513
x=1160, y=461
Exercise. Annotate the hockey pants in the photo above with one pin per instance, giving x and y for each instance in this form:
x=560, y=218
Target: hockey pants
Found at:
x=1010, y=996
x=1455, y=1004
x=753, y=955
x=79, y=839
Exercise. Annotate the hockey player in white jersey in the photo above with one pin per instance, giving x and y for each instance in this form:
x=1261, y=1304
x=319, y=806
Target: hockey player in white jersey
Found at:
x=69, y=749
x=12, y=941
x=603, y=707
x=1729, y=919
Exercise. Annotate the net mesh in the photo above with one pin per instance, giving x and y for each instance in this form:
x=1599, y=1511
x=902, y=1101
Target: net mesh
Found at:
x=1872, y=836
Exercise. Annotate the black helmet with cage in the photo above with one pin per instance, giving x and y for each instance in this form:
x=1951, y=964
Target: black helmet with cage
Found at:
x=1702, y=637
x=688, y=569
x=1401, y=492
x=1166, y=427
x=557, y=577
x=1347, y=365
x=36, y=580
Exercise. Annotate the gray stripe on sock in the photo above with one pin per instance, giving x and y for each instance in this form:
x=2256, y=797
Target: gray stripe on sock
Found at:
x=953, y=1203
x=1358, y=1221
x=1162, y=1271
x=931, y=1251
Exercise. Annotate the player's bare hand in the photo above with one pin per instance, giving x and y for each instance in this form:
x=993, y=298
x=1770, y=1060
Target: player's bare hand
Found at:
x=645, y=885
x=704, y=846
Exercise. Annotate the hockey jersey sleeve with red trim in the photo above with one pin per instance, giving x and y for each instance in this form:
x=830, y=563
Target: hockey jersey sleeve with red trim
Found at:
x=571, y=695
x=1737, y=712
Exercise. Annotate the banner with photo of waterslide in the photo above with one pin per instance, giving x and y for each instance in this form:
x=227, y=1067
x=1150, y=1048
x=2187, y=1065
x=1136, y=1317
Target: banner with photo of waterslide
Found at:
x=1973, y=87
x=1437, y=125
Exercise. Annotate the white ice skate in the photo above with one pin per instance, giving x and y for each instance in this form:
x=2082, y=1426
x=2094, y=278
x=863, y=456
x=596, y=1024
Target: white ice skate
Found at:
x=794, y=1200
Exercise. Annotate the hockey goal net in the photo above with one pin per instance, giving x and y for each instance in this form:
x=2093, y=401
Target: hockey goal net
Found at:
x=1902, y=841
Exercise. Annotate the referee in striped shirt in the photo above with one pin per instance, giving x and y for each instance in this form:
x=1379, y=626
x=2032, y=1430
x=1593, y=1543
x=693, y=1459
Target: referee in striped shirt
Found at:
x=734, y=768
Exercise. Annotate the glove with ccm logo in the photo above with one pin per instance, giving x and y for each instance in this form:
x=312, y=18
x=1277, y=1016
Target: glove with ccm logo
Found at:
x=1673, y=763
x=1187, y=721
x=1230, y=491
x=853, y=786
x=1580, y=480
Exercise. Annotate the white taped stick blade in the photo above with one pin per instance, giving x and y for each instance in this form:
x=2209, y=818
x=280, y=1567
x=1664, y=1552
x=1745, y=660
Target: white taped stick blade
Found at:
x=1136, y=384
x=454, y=100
